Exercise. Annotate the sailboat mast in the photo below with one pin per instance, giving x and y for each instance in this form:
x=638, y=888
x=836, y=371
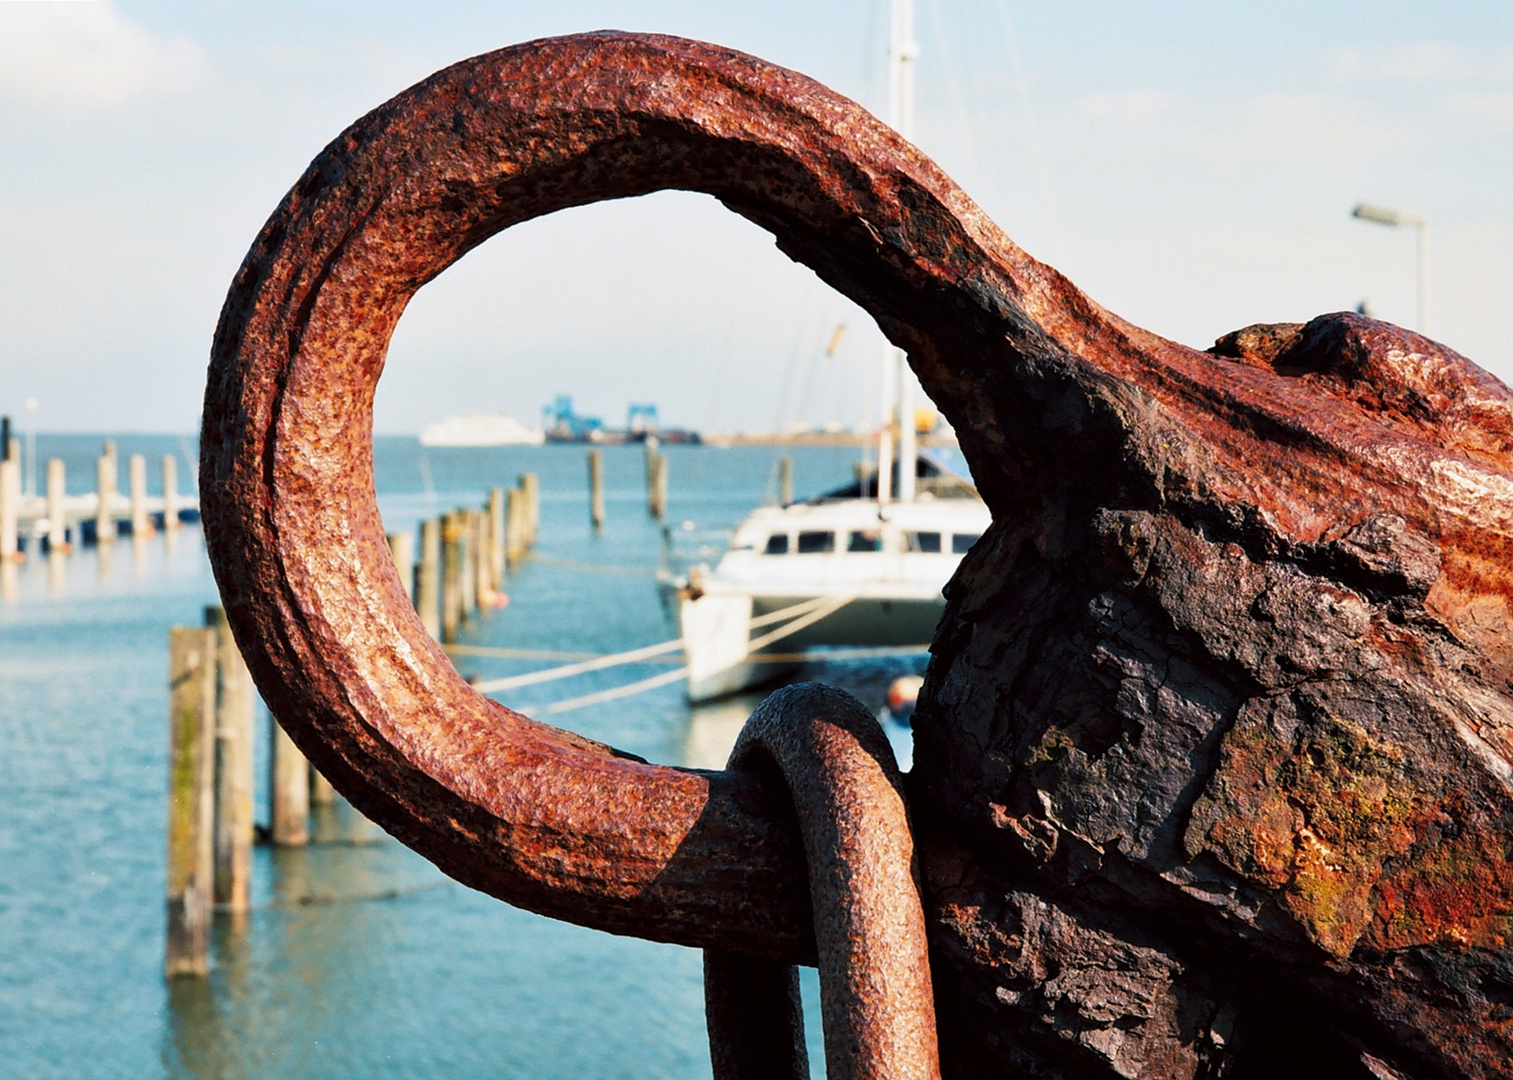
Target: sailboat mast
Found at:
x=902, y=52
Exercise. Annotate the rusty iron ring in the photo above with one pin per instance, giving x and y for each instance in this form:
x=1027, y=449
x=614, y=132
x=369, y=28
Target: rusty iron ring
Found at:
x=535, y=816
x=828, y=751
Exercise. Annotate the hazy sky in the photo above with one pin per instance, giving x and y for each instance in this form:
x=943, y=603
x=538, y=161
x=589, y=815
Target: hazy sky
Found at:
x=1190, y=165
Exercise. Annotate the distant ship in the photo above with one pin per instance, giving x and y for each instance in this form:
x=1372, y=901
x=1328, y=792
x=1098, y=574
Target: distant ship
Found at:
x=480, y=430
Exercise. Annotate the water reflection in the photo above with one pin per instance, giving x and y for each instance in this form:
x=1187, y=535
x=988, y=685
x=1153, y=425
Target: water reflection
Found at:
x=712, y=730
x=57, y=573
x=8, y=581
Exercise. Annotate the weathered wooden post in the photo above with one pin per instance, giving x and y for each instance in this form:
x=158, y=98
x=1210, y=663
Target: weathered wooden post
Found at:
x=136, y=471
x=530, y=484
x=482, y=559
x=451, y=576
x=656, y=500
x=428, y=578
x=57, y=517
x=466, y=584
x=10, y=502
x=288, y=791
x=105, y=485
x=402, y=551
x=515, y=526
x=321, y=791
x=785, y=480
x=171, y=493
x=496, y=536
x=191, y=798
x=235, y=707
x=596, y=488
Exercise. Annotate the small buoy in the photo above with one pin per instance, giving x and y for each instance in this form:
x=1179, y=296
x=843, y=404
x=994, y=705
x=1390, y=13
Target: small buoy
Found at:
x=903, y=692
x=501, y=600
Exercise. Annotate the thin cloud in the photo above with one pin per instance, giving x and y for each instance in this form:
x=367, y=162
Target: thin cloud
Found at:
x=1424, y=64
x=77, y=58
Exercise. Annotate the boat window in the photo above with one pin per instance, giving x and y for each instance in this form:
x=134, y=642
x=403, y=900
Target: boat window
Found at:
x=961, y=543
x=777, y=544
x=865, y=541
x=922, y=541
x=816, y=543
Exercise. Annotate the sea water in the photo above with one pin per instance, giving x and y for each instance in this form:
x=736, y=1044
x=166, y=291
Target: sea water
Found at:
x=360, y=959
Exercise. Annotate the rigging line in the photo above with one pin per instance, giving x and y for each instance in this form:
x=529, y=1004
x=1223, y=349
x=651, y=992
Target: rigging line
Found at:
x=829, y=607
x=953, y=86
x=617, y=692
x=1037, y=145
x=634, y=656
x=519, y=654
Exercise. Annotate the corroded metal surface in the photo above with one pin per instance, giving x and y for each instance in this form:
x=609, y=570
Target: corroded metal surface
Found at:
x=827, y=751
x=1214, y=751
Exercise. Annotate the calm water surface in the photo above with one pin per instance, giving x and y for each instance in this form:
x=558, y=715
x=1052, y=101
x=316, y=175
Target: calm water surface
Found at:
x=361, y=959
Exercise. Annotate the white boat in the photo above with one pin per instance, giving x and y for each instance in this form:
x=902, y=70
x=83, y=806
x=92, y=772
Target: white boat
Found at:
x=843, y=569
x=480, y=430
x=857, y=567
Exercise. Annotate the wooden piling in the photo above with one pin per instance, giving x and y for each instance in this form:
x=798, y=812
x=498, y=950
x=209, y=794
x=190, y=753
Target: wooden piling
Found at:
x=467, y=581
x=451, y=576
x=483, y=561
x=105, y=485
x=402, y=551
x=288, y=791
x=234, y=712
x=497, y=537
x=136, y=471
x=191, y=798
x=596, y=488
x=57, y=518
x=10, y=504
x=321, y=791
x=530, y=485
x=656, y=495
x=785, y=480
x=171, y=493
x=428, y=578
x=514, y=526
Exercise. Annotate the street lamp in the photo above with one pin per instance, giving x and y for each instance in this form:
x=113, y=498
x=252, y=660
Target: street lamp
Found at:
x=1380, y=215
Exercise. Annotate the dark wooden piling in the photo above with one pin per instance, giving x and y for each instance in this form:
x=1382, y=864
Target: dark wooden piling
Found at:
x=191, y=798
x=428, y=578
x=235, y=703
x=785, y=480
x=596, y=488
x=288, y=791
x=530, y=485
x=10, y=503
x=451, y=576
x=656, y=495
x=514, y=526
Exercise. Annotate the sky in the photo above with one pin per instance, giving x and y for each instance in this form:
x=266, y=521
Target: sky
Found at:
x=1191, y=166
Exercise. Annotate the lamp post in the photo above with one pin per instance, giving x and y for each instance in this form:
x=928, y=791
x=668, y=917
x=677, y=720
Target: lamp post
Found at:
x=1380, y=215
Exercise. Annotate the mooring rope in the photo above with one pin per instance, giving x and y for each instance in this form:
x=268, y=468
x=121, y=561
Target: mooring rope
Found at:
x=800, y=612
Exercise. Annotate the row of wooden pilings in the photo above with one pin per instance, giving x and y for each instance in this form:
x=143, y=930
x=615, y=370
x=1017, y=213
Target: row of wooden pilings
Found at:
x=58, y=515
x=465, y=556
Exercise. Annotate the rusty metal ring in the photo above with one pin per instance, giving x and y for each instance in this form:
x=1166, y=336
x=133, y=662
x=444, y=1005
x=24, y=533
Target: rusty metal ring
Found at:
x=827, y=751
x=527, y=813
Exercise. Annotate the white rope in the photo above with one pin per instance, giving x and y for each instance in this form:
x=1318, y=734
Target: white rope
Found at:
x=609, y=660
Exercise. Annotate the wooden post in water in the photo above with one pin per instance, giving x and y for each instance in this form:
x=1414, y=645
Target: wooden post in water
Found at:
x=10, y=502
x=288, y=791
x=136, y=471
x=191, y=798
x=649, y=455
x=451, y=576
x=656, y=496
x=530, y=484
x=234, y=709
x=497, y=537
x=596, y=488
x=785, y=480
x=467, y=581
x=170, y=493
x=483, y=560
x=57, y=518
x=321, y=791
x=428, y=578
x=514, y=526
x=105, y=484
x=402, y=551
